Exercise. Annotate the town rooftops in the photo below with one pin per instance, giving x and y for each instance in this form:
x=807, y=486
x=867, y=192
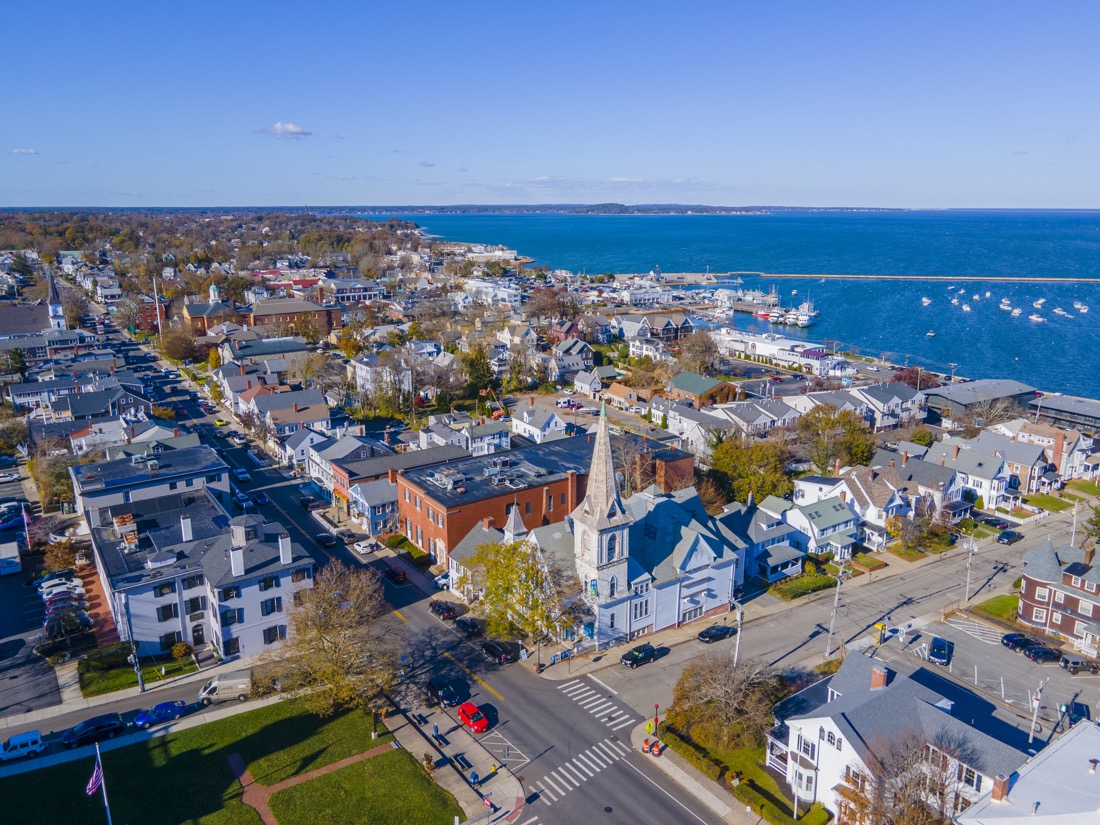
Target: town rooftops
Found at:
x=242, y=350
x=693, y=383
x=16, y=319
x=1068, y=404
x=126, y=472
x=281, y=306
x=287, y=401
x=980, y=391
x=374, y=467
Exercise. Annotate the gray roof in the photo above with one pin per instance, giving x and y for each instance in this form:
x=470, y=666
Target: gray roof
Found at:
x=916, y=702
x=971, y=462
x=266, y=346
x=286, y=400
x=924, y=474
x=281, y=306
x=779, y=554
x=16, y=319
x=1047, y=564
x=121, y=473
x=1071, y=404
x=373, y=467
x=378, y=492
x=827, y=513
x=478, y=535
x=147, y=447
x=980, y=391
x=886, y=393
x=1016, y=452
x=261, y=555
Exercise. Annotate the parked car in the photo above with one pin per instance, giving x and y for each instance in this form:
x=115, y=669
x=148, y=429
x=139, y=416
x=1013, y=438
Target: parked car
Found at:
x=639, y=655
x=310, y=503
x=993, y=521
x=1017, y=641
x=1075, y=664
x=396, y=575
x=1009, y=537
x=6, y=477
x=715, y=633
x=241, y=474
x=444, y=610
x=261, y=498
x=345, y=535
x=159, y=713
x=68, y=574
x=500, y=652
x=1041, y=654
x=92, y=730
x=220, y=422
x=365, y=546
x=22, y=744
x=471, y=716
x=467, y=626
x=939, y=652
x=67, y=623
x=74, y=588
x=446, y=692
x=443, y=582
x=57, y=607
x=7, y=460
x=238, y=439
x=326, y=540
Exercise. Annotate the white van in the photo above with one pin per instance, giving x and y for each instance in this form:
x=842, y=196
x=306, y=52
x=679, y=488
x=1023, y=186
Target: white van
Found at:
x=225, y=687
x=9, y=558
x=22, y=744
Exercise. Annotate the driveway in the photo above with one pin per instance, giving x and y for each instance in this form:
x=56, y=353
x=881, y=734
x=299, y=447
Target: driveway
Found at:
x=28, y=682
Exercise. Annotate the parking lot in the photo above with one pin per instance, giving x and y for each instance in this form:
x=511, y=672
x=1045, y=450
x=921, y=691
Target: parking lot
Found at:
x=983, y=664
x=29, y=682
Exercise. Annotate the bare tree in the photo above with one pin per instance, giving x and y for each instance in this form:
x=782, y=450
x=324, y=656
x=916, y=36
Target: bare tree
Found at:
x=984, y=414
x=698, y=352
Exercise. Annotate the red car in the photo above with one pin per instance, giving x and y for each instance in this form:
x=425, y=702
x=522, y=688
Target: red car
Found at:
x=471, y=716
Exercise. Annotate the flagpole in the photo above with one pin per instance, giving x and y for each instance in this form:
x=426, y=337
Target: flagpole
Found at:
x=103, y=783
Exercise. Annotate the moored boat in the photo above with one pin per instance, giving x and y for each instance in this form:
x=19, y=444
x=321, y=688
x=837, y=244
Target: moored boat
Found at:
x=1036, y=318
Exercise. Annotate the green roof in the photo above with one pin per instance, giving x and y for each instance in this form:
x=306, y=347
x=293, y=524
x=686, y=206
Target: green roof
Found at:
x=693, y=383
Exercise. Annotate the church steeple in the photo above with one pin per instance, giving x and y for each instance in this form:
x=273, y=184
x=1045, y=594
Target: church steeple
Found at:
x=514, y=529
x=602, y=508
x=54, y=309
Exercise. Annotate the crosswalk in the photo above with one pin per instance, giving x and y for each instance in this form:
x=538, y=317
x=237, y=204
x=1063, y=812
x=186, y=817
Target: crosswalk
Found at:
x=981, y=632
x=597, y=704
x=578, y=770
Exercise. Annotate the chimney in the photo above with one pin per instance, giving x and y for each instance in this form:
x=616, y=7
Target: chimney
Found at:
x=295, y=406
x=1000, y=787
x=487, y=523
x=1090, y=553
x=1059, y=446
x=175, y=432
x=1092, y=765
x=843, y=496
x=248, y=384
x=874, y=473
x=531, y=401
x=956, y=453
x=185, y=528
x=242, y=369
x=751, y=502
x=878, y=678
x=393, y=475
x=904, y=458
x=891, y=462
x=284, y=548
x=132, y=434
x=236, y=560
x=836, y=468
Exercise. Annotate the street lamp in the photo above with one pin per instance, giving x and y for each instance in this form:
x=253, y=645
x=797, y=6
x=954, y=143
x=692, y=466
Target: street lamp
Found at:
x=737, y=642
x=972, y=546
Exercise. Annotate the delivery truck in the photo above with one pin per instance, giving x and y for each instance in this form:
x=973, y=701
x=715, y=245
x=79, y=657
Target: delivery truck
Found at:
x=225, y=687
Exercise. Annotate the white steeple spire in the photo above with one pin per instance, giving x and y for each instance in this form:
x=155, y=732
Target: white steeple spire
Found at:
x=602, y=507
x=514, y=529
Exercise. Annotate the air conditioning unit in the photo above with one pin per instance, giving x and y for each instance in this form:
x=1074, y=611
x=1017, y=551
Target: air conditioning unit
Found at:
x=153, y=465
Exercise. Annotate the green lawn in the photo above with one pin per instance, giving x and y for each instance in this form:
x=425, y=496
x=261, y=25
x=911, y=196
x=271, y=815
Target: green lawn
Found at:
x=384, y=789
x=98, y=682
x=1090, y=488
x=906, y=554
x=800, y=586
x=184, y=778
x=1005, y=608
x=1055, y=505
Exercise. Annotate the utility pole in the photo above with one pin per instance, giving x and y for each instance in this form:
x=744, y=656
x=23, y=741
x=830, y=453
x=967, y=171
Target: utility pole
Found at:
x=134, y=660
x=737, y=643
x=1073, y=536
x=952, y=365
x=971, y=546
x=1035, y=710
x=832, y=620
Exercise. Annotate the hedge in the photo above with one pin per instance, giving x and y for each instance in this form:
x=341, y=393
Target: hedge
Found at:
x=801, y=586
x=747, y=793
x=690, y=752
x=395, y=541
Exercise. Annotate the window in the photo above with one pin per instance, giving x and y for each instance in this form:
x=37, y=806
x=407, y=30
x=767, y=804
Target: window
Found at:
x=191, y=582
x=855, y=778
x=418, y=502
x=169, y=639
x=1042, y=594
x=190, y=482
x=274, y=634
x=612, y=547
x=1090, y=587
x=194, y=605
x=807, y=747
x=407, y=494
x=164, y=588
x=830, y=737
x=269, y=582
x=1075, y=581
x=641, y=609
x=213, y=479
x=613, y=587
x=167, y=612
x=269, y=606
x=1056, y=618
x=550, y=502
x=126, y=496
x=232, y=616
x=839, y=743
x=232, y=592
x=1059, y=596
x=527, y=508
x=232, y=647
x=300, y=575
x=563, y=499
x=297, y=597
x=1039, y=614
x=1084, y=608
x=172, y=485
x=611, y=622
x=970, y=777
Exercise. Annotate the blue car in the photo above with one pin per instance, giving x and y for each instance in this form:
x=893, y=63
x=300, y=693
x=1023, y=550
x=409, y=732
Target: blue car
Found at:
x=260, y=498
x=159, y=713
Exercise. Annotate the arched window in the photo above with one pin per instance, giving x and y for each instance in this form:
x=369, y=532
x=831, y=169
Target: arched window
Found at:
x=613, y=587
x=612, y=547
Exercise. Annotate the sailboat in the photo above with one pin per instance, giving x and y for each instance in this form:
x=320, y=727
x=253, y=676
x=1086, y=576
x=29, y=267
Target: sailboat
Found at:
x=930, y=334
x=926, y=301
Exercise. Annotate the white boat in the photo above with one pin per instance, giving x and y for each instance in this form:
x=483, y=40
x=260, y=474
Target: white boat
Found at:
x=794, y=292
x=987, y=293
x=1083, y=309
x=926, y=301
x=1039, y=304
x=1060, y=311
x=976, y=298
x=776, y=316
x=1016, y=313
x=930, y=334
x=791, y=318
x=1036, y=318
x=1076, y=304
x=966, y=307
x=955, y=301
x=806, y=315
x=1005, y=307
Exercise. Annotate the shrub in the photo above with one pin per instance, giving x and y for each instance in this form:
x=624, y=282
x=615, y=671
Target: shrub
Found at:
x=690, y=752
x=1016, y=585
x=979, y=503
x=108, y=658
x=395, y=541
x=181, y=651
x=801, y=586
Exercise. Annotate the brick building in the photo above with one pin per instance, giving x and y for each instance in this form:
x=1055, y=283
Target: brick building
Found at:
x=1061, y=594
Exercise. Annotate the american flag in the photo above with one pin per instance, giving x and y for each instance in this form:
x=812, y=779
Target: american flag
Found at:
x=96, y=780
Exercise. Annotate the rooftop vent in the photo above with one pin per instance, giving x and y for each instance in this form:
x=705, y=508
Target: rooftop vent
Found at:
x=153, y=465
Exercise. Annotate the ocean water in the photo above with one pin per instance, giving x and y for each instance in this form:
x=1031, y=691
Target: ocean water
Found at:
x=870, y=317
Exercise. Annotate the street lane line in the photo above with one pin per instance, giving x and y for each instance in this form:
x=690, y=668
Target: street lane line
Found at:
x=611, y=754
x=601, y=684
x=529, y=821
x=590, y=761
x=473, y=675
x=567, y=684
x=670, y=796
x=397, y=613
x=621, y=724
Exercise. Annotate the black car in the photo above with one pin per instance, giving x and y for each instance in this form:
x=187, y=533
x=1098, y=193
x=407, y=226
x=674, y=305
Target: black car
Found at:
x=715, y=633
x=501, y=652
x=1009, y=537
x=92, y=730
x=1017, y=641
x=639, y=655
x=446, y=692
x=467, y=626
x=325, y=540
x=993, y=521
x=310, y=503
x=1041, y=654
x=939, y=652
x=444, y=610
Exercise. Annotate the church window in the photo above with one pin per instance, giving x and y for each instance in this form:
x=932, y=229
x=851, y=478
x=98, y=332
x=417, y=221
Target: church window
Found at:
x=612, y=547
x=613, y=587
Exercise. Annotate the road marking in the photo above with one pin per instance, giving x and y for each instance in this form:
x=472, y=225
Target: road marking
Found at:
x=566, y=782
x=589, y=760
x=612, y=714
x=611, y=754
x=670, y=796
x=473, y=675
x=529, y=821
x=621, y=724
x=575, y=764
x=626, y=748
x=576, y=694
x=557, y=790
x=598, y=709
x=567, y=684
x=601, y=684
x=545, y=794
x=573, y=769
x=397, y=613
x=601, y=760
x=595, y=700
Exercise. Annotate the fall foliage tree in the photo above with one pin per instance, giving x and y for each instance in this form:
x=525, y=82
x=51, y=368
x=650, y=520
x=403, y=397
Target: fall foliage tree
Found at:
x=746, y=466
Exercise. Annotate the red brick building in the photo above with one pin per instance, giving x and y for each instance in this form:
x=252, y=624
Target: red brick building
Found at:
x=1061, y=594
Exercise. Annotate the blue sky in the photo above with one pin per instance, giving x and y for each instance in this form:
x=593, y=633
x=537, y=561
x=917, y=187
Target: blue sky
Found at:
x=940, y=104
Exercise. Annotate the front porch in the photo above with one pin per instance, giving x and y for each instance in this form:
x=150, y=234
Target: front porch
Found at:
x=781, y=561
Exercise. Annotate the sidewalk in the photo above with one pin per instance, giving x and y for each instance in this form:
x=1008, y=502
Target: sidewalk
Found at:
x=458, y=755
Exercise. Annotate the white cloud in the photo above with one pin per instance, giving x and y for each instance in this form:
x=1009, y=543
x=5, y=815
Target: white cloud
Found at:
x=427, y=164
x=24, y=151
x=286, y=130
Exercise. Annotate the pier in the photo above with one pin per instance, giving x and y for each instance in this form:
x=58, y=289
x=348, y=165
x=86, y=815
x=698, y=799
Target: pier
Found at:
x=1004, y=279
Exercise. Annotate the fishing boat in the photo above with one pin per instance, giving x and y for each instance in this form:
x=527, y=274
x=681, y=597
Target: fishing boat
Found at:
x=807, y=315
x=966, y=307
x=776, y=316
x=1076, y=304
x=762, y=313
x=1039, y=304
x=1060, y=311
x=794, y=292
x=926, y=301
x=1036, y=318
x=1005, y=306
x=955, y=301
x=1016, y=313
x=976, y=298
x=1083, y=309
x=930, y=334
x=987, y=293
x=791, y=318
